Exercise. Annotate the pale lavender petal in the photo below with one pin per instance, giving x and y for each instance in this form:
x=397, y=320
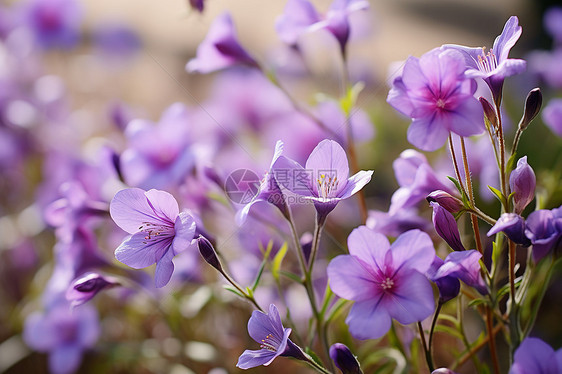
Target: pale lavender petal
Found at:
x=552, y=116
x=464, y=266
x=507, y=39
x=163, y=204
x=185, y=229
x=398, y=98
x=411, y=299
x=367, y=320
x=250, y=359
x=427, y=133
x=38, y=333
x=293, y=176
x=531, y=357
x=355, y=183
x=412, y=75
x=414, y=250
x=164, y=269
x=89, y=331
x=466, y=119
x=296, y=18
x=368, y=246
x=522, y=183
x=470, y=55
x=350, y=280
x=406, y=166
x=139, y=253
x=65, y=359
x=130, y=209
x=329, y=158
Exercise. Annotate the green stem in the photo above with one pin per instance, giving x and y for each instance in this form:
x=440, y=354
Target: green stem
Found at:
x=432, y=330
x=428, y=358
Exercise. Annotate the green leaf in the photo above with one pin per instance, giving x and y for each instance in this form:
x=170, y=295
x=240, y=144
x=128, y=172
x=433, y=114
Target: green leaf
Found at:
x=510, y=163
x=260, y=272
x=449, y=318
x=498, y=195
x=350, y=99
x=313, y=356
x=234, y=291
x=476, y=302
x=505, y=288
x=448, y=330
x=456, y=183
x=292, y=276
x=249, y=292
x=496, y=249
x=277, y=260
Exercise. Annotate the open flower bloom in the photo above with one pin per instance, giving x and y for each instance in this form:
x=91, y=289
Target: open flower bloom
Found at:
x=269, y=190
x=325, y=177
x=268, y=331
x=386, y=281
x=544, y=230
x=435, y=93
x=220, y=49
x=536, y=357
x=463, y=266
x=158, y=230
x=494, y=66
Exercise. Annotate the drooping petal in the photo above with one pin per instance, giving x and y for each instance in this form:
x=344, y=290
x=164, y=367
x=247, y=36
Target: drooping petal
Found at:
x=366, y=320
x=464, y=266
x=185, y=229
x=412, y=298
x=296, y=18
x=398, y=98
x=513, y=226
x=250, y=359
x=164, y=269
x=139, y=253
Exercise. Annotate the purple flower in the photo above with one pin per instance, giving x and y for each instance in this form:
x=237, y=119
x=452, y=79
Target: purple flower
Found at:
x=446, y=226
x=159, y=155
x=522, y=182
x=158, y=230
x=544, y=229
x=116, y=41
x=534, y=356
x=87, y=286
x=300, y=16
x=448, y=286
x=344, y=359
x=197, y=5
x=64, y=333
x=54, y=23
x=220, y=49
x=269, y=190
x=553, y=22
x=416, y=179
x=397, y=223
x=449, y=202
x=493, y=67
x=324, y=179
x=464, y=266
x=268, y=331
x=385, y=281
x=434, y=92
x=552, y=115
x=512, y=225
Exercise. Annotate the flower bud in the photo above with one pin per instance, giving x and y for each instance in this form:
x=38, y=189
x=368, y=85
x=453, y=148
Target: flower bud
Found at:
x=87, y=286
x=443, y=371
x=513, y=226
x=522, y=182
x=533, y=104
x=446, y=227
x=446, y=200
x=208, y=252
x=344, y=359
x=489, y=113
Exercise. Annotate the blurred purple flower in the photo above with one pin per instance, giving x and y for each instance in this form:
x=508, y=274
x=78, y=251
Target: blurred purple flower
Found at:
x=220, y=49
x=85, y=287
x=300, y=16
x=552, y=115
x=466, y=267
x=533, y=356
x=269, y=190
x=446, y=226
x=544, y=229
x=397, y=223
x=512, y=225
x=324, y=179
x=159, y=155
x=54, y=23
x=197, y=5
x=416, y=179
x=522, y=182
x=268, y=331
x=344, y=359
x=384, y=281
x=116, y=41
x=493, y=67
x=434, y=92
x=158, y=230
x=64, y=334
x=553, y=23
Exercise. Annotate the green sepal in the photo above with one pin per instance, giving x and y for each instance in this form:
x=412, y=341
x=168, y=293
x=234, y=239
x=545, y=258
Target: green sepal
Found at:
x=277, y=260
x=348, y=101
x=498, y=194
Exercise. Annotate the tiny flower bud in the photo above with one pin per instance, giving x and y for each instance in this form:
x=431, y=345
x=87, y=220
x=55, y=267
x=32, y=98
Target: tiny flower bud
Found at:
x=87, y=286
x=533, y=104
x=443, y=371
x=522, y=182
x=344, y=359
x=446, y=227
x=489, y=113
x=446, y=200
x=513, y=226
x=208, y=252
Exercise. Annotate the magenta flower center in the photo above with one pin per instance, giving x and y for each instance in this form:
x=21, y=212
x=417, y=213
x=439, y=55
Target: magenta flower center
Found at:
x=487, y=62
x=387, y=283
x=270, y=342
x=440, y=104
x=155, y=232
x=327, y=185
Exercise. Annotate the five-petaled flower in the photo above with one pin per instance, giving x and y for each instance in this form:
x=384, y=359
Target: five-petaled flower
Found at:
x=385, y=281
x=158, y=230
x=268, y=331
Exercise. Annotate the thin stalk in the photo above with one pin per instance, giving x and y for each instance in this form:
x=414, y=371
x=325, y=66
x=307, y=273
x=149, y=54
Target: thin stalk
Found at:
x=516, y=141
x=455, y=163
x=492, y=340
x=513, y=307
x=483, y=216
x=502, y=152
x=428, y=358
x=432, y=330
x=239, y=289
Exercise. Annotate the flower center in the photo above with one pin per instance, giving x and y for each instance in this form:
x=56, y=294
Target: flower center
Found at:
x=327, y=185
x=487, y=62
x=270, y=342
x=440, y=104
x=387, y=283
x=155, y=231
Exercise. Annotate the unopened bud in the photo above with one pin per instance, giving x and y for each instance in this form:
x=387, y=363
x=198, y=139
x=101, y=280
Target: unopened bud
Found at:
x=522, y=182
x=446, y=200
x=344, y=359
x=87, y=286
x=533, y=104
x=446, y=227
x=208, y=252
x=489, y=113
